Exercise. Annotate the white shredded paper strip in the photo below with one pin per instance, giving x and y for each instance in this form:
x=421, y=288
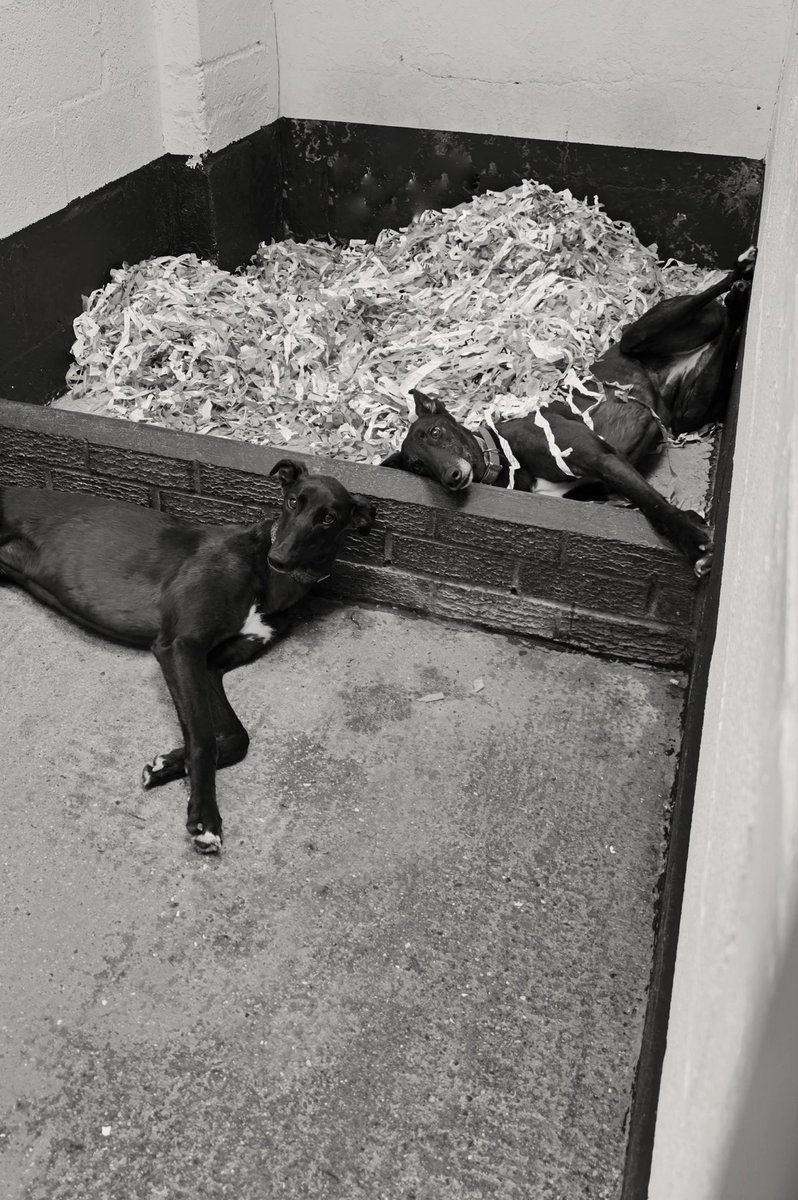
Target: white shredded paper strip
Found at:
x=314, y=346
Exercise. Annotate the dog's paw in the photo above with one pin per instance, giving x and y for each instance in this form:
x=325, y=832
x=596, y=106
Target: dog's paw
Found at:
x=163, y=769
x=745, y=263
x=152, y=774
x=207, y=842
x=703, y=565
x=694, y=538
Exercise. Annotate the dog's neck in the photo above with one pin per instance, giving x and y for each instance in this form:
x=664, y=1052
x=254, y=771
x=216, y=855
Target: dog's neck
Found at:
x=493, y=459
x=278, y=590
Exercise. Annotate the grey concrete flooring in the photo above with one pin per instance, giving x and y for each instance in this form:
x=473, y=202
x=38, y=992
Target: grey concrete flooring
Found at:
x=418, y=968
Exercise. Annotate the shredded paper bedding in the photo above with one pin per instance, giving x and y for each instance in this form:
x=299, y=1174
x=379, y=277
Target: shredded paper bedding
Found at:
x=492, y=305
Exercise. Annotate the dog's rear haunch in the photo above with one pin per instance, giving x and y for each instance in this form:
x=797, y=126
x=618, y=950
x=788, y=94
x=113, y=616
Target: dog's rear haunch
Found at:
x=204, y=599
x=670, y=371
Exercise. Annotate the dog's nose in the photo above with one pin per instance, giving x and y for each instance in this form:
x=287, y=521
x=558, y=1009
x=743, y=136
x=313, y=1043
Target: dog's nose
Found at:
x=453, y=476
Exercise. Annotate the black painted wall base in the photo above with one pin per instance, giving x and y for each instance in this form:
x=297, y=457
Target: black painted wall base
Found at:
x=326, y=178
x=220, y=209
x=354, y=180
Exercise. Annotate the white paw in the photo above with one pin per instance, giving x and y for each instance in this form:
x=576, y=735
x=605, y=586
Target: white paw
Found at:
x=703, y=565
x=207, y=843
x=151, y=769
x=747, y=256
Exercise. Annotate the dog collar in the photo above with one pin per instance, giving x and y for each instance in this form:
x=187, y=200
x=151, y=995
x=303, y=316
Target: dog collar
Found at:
x=299, y=575
x=491, y=454
x=307, y=576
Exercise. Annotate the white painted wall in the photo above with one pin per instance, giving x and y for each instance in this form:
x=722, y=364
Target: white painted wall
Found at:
x=218, y=70
x=78, y=101
x=695, y=75
x=92, y=89
x=742, y=880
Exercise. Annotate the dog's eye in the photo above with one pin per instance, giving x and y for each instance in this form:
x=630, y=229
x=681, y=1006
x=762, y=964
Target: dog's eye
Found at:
x=291, y=501
x=328, y=519
x=435, y=432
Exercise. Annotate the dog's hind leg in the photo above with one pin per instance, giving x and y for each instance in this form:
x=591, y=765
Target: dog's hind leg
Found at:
x=684, y=322
x=678, y=325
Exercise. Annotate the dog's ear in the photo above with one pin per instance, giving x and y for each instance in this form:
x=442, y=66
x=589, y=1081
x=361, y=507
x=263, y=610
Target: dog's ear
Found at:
x=288, y=471
x=425, y=405
x=363, y=515
x=396, y=460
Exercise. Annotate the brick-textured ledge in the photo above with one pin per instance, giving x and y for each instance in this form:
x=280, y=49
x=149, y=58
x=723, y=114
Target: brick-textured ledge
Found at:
x=586, y=576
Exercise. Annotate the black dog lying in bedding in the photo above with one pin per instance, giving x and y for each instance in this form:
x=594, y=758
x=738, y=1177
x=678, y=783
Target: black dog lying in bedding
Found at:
x=670, y=371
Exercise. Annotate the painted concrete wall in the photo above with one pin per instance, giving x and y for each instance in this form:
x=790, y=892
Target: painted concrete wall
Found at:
x=218, y=70
x=78, y=101
x=92, y=89
x=696, y=75
x=742, y=882
x=764, y=1153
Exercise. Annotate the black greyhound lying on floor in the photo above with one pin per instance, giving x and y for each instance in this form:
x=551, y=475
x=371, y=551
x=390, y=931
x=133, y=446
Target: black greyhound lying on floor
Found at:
x=670, y=371
x=202, y=598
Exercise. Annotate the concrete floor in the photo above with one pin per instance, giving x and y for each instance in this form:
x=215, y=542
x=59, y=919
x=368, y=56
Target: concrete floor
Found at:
x=417, y=970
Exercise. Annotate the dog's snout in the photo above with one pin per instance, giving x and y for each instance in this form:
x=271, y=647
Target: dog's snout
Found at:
x=278, y=561
x=457, y=476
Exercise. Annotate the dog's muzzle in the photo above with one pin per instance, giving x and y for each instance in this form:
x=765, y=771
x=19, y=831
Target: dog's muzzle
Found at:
x=459, y=476
x=298, y=574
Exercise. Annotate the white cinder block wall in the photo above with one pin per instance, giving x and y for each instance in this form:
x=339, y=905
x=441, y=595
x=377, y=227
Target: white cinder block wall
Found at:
x=697, y=75
x=78, y=101
x=741, y=894
x=219, y=75
x=93, y=89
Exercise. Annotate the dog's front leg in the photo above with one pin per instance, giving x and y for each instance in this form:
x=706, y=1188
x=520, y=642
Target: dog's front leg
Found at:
x=184, y=665
x=232, y=739
x=594, y=459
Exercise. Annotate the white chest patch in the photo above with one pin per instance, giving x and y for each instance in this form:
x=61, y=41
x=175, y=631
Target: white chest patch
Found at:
x=256, y=627
x=548, y=487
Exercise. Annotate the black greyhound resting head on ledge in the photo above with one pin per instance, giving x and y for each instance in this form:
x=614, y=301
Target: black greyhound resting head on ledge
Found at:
x=670, y=370
x=203, y=598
